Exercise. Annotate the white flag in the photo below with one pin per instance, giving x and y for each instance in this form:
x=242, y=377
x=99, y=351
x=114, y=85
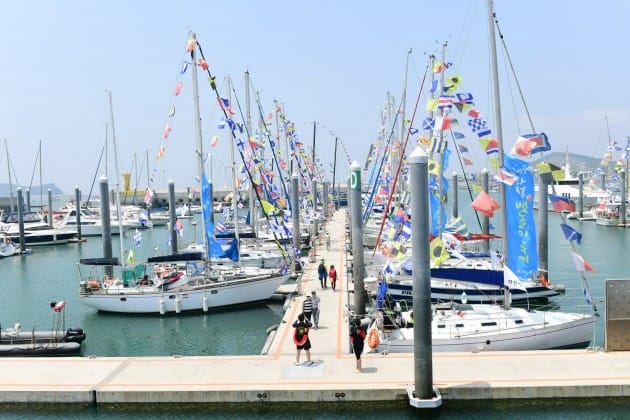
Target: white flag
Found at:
x=511, y=281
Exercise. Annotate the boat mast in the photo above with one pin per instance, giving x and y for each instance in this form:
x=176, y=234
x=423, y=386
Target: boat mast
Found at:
x=497, y=113
x=228, y=86
x=403, y=134
x=118, y=212
x=252, y=195
x=197, y=116
x=6, y=148
x=41, y=189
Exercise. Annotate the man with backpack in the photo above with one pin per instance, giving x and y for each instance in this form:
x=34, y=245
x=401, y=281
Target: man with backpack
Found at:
x=301, y=340
x=322, y=273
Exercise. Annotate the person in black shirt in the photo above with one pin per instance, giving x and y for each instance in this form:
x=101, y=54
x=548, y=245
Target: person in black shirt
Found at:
x=301, y=340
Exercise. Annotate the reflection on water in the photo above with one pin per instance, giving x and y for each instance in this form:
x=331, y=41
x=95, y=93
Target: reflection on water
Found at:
x=541, y=409
x=237, y=331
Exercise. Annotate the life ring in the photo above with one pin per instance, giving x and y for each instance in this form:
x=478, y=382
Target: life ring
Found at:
x=373, y=338
x=304, y=337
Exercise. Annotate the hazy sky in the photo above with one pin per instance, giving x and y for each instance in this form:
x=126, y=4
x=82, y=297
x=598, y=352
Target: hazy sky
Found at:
x=326, y=61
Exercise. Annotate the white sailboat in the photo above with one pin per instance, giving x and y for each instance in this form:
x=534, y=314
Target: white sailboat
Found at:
x=474, y=328
x=179, y=282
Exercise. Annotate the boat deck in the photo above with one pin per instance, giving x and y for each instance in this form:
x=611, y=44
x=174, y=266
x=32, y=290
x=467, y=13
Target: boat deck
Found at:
x=273, y=377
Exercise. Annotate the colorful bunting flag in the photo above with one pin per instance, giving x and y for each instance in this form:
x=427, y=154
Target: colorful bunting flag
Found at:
x=438, y=252
x=570, y=233
x=580, y=263
x=178, y=88
x=549, y=172
x=560, y=203
x=485, y=204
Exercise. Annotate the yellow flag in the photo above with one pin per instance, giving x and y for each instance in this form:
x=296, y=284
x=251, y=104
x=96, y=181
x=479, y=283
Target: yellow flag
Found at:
x=434, y=167
x=130, y=257
x=268, y=208
x=438, y=252
x=432, y=105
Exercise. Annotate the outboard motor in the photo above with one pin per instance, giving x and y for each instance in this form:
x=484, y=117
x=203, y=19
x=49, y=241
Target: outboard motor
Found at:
x=75, y=335
x=398, y=314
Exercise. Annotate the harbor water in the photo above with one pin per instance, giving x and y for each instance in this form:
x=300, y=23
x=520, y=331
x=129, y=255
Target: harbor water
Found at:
x=50, y=273
x=600, y=409
x=31, y=282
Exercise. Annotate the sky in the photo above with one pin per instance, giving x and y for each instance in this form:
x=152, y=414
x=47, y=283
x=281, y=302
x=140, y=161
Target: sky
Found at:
x=328, y=63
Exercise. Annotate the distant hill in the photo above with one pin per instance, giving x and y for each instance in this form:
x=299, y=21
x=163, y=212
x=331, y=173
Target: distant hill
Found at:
x=579, y=163
x=35, y=189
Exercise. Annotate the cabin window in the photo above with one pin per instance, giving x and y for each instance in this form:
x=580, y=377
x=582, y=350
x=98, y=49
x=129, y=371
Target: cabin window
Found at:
x=459, y=325
x=488, y=324
x=441, y=326
x=518, y=321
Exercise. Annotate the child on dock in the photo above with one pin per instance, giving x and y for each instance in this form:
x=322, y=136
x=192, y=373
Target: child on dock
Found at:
x=332, y=273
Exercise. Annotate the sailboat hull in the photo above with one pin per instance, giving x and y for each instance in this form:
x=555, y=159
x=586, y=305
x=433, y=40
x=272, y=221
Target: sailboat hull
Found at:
x=445, y=290
x=495, y=329
x=150, y=300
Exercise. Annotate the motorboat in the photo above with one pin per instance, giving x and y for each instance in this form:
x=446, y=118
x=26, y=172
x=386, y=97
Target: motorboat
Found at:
x=7, y=248
x=91, y=223
x=36, y=231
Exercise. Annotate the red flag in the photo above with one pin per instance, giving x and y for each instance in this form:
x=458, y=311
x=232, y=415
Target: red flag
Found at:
x=485, y=204
x=560, y=203
x=580, y=263
x=190, y=45
x=203, y=64
x=467, y=162
x=178, y=88
x=167, y=131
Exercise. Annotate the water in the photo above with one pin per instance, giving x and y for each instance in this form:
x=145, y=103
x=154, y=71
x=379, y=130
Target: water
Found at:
x=50, y=274
x=600, y=409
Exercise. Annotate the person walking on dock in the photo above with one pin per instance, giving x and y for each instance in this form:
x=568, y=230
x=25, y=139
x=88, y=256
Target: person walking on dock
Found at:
x=315, y=300
x=332, y=273
x=307, y=308
x=301, y=340
x=322, y=273
x=357, y=336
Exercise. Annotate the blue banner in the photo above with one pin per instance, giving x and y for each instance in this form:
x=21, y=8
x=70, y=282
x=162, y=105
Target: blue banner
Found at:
x=206, y=208
x=522, y=249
